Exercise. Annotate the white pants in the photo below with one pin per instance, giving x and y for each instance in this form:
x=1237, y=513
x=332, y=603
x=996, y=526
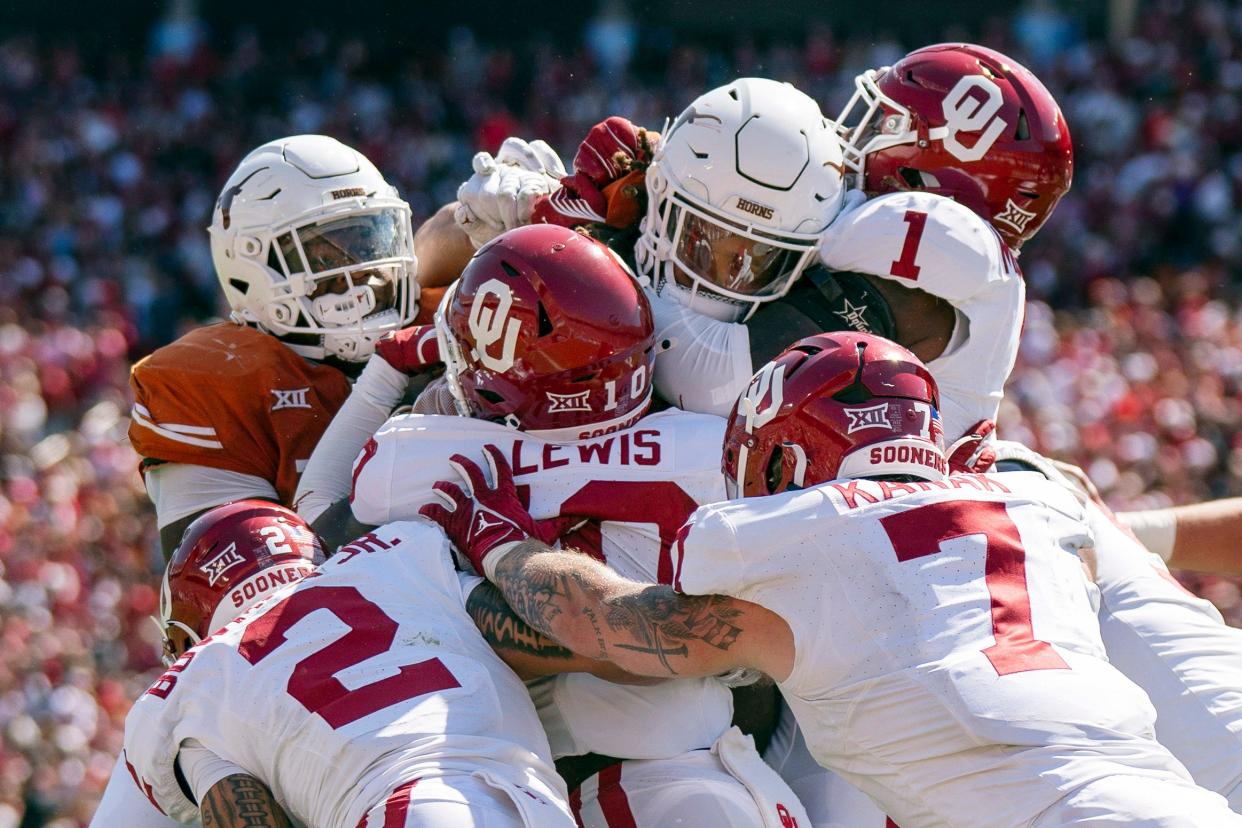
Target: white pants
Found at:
x=692, y=790
x=1140, y=802
x=123, y=804
x=463, y=801
x=830, y=801
x=1167, y=801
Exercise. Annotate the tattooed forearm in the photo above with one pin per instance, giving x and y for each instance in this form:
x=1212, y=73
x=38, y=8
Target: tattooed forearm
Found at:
x=241, y=801
x=647, y=629
x=662, y=622
x=504, y=630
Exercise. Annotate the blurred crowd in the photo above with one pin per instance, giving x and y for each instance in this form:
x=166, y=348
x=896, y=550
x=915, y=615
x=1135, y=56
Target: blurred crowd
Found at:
x=111, y=158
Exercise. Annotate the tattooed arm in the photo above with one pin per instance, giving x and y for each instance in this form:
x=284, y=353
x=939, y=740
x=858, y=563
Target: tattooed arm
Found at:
x=647, y=629
x=528, y=652
x=241, y=801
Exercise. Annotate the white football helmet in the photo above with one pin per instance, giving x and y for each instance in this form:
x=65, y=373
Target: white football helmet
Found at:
x=738, y=193
x=311, y=244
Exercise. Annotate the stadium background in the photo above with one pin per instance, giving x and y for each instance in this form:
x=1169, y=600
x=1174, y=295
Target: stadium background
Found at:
x=119, y=124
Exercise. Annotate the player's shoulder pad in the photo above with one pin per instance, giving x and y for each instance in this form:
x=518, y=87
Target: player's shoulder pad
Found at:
x=417, y=533
x=687, y=425
x=956, y=252
x=219, y=351
x=411, y=426
x=1035, y=486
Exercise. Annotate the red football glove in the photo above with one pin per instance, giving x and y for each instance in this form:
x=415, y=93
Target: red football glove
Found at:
x=578, y=201
x=610, y=150
x=485, y=517
x=411, y=349
x=971, y=453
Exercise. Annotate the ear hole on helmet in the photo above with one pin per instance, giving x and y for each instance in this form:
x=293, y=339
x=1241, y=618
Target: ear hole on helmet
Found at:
x=1028, y=194
x=489, y=395
x=774, y=471
x=545, y=324
x=1022, y=131
x=239, y=286
x=911, y=176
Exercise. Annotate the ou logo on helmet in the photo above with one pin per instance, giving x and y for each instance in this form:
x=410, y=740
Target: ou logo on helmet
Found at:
x=489, y=326
x=767, y=386
x=967, y=112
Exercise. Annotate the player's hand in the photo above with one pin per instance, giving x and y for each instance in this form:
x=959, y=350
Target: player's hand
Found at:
x=533, y=156
x=1079, y=479
x=410, y=350
x=481, y=517
x=502, y=192
x=612, y=149
x=972, y=453
x=577, y=202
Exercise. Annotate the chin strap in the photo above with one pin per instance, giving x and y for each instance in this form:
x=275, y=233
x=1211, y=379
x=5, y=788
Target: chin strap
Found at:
x=849, y=302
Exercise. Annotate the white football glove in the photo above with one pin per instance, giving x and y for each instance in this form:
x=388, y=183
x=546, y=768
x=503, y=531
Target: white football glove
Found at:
x=502, y=191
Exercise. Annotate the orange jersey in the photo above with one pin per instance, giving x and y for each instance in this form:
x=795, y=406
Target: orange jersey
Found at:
x=231, y=397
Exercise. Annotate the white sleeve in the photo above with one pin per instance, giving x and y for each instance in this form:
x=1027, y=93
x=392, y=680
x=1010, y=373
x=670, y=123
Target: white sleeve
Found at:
x=179, y=490
x=369, y=484
x=702, y=364
x=123, y=804
x=468, y=583
x=705, y=556
x=202, y=768
x=326, y=479
x=1156, y=528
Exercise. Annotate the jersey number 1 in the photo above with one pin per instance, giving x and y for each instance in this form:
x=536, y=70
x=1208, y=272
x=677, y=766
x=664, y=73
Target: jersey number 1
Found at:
x=371, y=632
x=905, y=266
x=919, y=532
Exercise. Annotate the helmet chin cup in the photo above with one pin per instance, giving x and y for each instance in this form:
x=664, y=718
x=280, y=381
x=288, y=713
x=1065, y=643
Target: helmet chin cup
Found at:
x=702, y=301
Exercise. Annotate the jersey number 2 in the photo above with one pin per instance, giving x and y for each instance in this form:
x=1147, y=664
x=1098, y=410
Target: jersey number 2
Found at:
x=371, y=632
x=919, y=532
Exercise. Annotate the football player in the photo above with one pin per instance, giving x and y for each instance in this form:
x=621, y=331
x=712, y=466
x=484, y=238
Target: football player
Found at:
x=313, y=251
x=360, y=694
x=547, y=344
x=965, y=154
x=935, y=635
x=1169, y=642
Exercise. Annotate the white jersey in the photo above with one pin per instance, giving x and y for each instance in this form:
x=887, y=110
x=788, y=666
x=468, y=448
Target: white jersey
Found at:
x=1179, y=650
x=920, y=240
x=932, y=243
x=946, y=645
x=336, y=690
x=637, y=486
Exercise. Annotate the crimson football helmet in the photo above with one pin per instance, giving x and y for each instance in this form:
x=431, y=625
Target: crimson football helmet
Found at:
x=965, y=122
x=229, y=559
x=548, y=332
x=834, y=405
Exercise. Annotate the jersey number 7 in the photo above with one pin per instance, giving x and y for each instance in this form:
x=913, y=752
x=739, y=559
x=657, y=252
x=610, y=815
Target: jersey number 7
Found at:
x=920, y=531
